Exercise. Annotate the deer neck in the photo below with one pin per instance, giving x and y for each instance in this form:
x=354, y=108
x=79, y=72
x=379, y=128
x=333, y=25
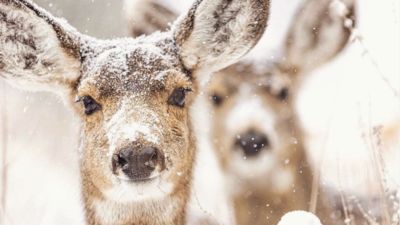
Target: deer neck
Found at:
x=167, y=211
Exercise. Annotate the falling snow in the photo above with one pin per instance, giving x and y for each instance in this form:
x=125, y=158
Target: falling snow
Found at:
x=349, y=110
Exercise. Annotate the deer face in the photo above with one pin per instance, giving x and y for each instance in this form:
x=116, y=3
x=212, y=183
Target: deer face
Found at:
x=133, y=95
x=251, y=127
x=134, y=98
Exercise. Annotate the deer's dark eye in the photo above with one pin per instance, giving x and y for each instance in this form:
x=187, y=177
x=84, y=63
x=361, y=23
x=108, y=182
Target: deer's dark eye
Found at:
x=217, y=99
x=283, y=94
x=91, y=106
x=178, y=97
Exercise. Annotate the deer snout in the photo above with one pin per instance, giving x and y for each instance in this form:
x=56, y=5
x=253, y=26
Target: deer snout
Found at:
x=138, y=163
x=252, y=143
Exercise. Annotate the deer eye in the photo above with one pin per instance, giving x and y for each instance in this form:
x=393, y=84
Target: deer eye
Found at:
x=178, y=97
x=217, y=100
x=91, y=106
x=283, y=94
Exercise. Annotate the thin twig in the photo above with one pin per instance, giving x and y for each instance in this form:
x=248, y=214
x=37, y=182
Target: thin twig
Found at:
x=347, y=219
x=364, y=212
x=377, y=161
x=379, y=166
x=374, y=62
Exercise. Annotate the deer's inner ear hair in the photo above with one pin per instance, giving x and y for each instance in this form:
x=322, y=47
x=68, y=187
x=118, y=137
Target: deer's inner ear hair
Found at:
x=91, y=106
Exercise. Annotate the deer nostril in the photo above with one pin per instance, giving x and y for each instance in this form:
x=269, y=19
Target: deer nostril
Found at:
x=124, y=157
x=150, y=157
x=121, y=161
x=252, y=143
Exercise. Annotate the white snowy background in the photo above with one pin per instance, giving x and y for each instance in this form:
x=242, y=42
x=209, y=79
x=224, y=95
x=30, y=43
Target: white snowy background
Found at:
x=340, y=105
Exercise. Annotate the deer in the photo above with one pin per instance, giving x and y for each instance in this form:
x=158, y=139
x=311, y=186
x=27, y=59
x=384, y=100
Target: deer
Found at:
x=134, y=98
x=255, y=127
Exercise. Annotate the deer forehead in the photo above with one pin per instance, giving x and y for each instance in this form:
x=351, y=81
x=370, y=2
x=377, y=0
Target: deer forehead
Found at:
x=250, y=107
x=230, y=83
x=131, y=122
x=128, y=66
x=266, y=81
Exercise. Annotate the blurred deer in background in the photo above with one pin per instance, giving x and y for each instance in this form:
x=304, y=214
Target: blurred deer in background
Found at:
x=133, y=97
x=256, y=128
x=255, y=125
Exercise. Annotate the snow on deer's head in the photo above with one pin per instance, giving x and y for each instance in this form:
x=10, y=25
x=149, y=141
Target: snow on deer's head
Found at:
x=132, y=95
x=255, y=126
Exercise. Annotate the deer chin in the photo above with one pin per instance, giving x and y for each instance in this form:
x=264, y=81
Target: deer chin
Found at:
x=250, y=168
x=125, y=190
x=264, y=170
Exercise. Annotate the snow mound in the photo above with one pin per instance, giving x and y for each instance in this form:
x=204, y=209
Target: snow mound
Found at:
x=299, y=218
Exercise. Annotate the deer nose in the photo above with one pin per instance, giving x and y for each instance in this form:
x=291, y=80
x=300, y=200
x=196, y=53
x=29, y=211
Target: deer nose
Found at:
x=252, y=143
x=138, y=164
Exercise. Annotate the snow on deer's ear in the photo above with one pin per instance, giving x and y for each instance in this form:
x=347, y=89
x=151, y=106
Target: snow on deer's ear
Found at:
x=320, y=30
x=216, y=33
x=37, y=51
x=147, y=16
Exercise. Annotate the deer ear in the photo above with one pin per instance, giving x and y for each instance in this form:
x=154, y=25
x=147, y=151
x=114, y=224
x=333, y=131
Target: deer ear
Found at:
x=147, y=16
x=320, y=31
x=216, y=33
x=37, y=51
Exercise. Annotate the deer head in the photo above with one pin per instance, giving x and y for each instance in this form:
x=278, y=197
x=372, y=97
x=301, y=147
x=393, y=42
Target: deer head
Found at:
x=133, y=97
x=255, y=125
